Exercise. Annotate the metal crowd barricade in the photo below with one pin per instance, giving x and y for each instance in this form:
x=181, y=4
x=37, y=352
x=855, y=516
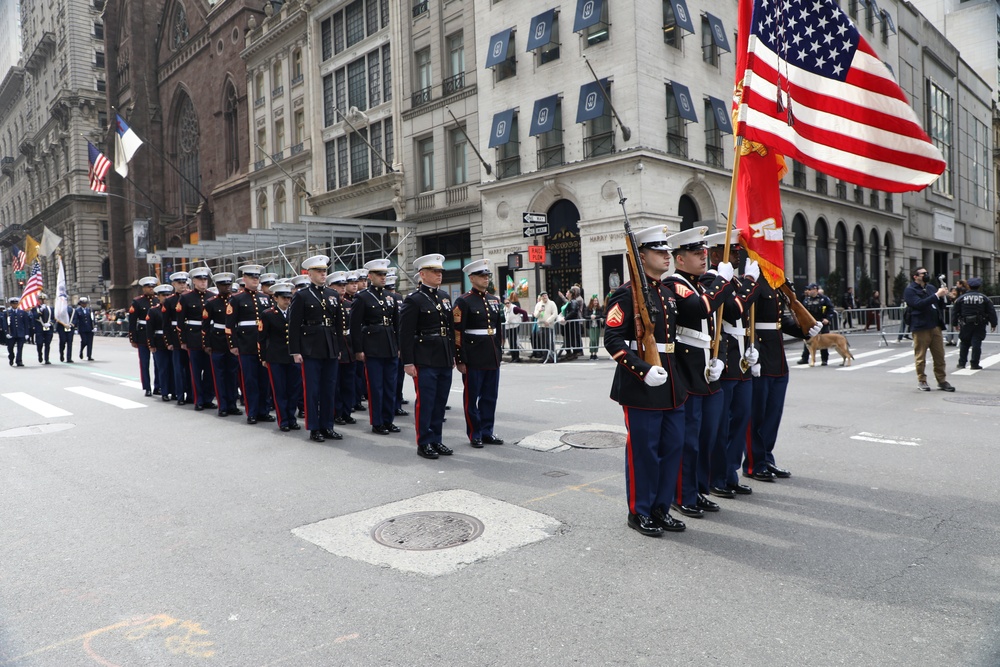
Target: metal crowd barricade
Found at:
x=549, y=343
x=114, y=328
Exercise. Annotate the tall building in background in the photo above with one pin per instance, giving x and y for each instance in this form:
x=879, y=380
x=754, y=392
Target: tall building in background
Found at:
x=10, y=34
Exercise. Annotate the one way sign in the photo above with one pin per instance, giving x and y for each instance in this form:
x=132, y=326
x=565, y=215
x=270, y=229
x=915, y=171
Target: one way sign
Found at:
x=534, y=219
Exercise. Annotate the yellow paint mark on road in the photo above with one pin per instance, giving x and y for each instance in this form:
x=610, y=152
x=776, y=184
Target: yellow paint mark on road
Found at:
x=578, y=487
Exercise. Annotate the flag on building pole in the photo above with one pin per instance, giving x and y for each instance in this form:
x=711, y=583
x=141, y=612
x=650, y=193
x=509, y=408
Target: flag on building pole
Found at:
x=50, y=241
x=99, y=166
x=30, y=249
x=18, y=258
x=127, y=143
x=62, y=309
x=816, y=91
x=32, y=288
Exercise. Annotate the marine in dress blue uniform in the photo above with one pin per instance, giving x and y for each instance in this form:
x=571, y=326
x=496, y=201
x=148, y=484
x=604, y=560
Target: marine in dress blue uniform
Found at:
x=315, y=323
x=137, y=328
x=16, y=325
x=284, y=374
x=344, y=402
x=183, y=392
x=191, y=316
x=652, y=397
x=156, y=330
x=375, y=341
x=217, y=345
x=359, y=279
x=426, y=346
x=390, y=283
x=83, y=320
x=478, y=318
x=43, y=321
x=699, y=294
x=243, y=327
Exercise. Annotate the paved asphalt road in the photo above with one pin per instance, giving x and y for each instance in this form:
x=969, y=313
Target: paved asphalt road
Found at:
x=154, y=535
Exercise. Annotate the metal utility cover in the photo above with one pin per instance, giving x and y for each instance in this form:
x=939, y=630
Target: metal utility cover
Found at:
x=428, y=531
x=594, y=440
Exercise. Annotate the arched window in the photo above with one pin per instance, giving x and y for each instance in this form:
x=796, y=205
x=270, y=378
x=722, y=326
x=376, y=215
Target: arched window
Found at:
x=262, y=220
x=303, y=204
x=188, y=136
x=688, y=212
x=231, y=116
x=800, y=252
x=822, y=251
x=279, y=204
x=859, y=254
x=180, y=32
x=875, y=260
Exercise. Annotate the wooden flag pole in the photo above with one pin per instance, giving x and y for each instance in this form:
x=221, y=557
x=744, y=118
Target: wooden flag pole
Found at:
x=725, y=250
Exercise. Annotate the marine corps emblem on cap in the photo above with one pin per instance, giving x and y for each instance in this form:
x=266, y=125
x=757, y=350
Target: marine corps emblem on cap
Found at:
x=200, y=272
x=160, y=289
x=381, y=265
x=251, y=270
x=654, y=238
x=719, y=238
x=179, y=277
x=282, y=289
x=300, y=281
x=316, y=262
x=337, y=278
x=689, y=239
x=148, y=281
x=362, y=274
x=224, y=278
x=480, y=266
x=268, y=278
x=432, y=261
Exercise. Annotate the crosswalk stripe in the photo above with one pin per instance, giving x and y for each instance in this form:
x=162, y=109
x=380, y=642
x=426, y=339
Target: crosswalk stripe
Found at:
x=877, y=362
x=110, y=399
x=36, y=405
x=132, y=384
x=985, y=363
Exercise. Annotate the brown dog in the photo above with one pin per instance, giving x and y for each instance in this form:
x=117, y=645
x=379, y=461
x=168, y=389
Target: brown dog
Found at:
x=826, y=341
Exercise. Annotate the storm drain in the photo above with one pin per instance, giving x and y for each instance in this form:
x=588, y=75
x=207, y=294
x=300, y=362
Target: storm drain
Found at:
x=594, y=440
x=428, y=531
x=989, y=401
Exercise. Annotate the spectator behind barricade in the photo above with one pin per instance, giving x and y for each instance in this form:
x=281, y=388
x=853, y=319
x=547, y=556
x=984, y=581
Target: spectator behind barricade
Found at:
x=874, y=314
x=546, y=314
x=571, y=314
x=593, y=314
x=514, y=315
x=849, y=304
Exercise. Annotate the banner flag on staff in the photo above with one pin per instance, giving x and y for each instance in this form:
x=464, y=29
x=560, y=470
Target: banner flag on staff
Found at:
x=99, y=166
x=127, y=143
x=30, y=250
x=50, y=241
x=32, y=288
x=62, y=309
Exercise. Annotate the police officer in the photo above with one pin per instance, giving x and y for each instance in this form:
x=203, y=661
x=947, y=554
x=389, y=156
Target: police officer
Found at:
x=137, y=328
x=217, y=345
x=390, y=284
x=284, y=374
x=315, y=323
x=157, y=323
x=191, y=315
x=179, y=360
x=652, y=396
x=971, y=312
x=478, y=318
x=16, y=325
x=243, y=324
x=374, y=339
x=43, y=323
x=83, y=320
x=426, y=344
x=699, y=294
x=345, y=372
x=65, y=332
x=821, y=308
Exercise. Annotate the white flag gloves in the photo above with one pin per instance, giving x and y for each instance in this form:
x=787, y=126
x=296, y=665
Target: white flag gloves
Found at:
x=751, y=355
x=726, y=270
x=752, y=269
x=715, y=368
x=755, y=370
x=816, y=328
x=656, y=376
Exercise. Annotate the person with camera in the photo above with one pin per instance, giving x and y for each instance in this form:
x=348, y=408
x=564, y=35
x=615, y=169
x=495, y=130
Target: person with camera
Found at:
x=925, y=306
x=970, y=313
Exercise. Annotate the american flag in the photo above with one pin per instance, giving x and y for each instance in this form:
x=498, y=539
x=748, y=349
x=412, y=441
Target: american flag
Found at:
x=32, y=288
x=816, y=91
x=18, y=256
x=99, y=166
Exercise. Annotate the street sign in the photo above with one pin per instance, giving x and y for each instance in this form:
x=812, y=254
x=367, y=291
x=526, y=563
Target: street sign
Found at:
x=534, y=218
x=152, y=258
x=20, y=275
x=536, y=230
x=536, y=254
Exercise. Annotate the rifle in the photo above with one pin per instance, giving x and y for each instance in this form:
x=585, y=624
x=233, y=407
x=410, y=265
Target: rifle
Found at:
x=643, y=307
x=803, y=317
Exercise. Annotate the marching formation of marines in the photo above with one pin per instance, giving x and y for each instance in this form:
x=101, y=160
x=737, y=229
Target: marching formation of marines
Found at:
x=312, y=348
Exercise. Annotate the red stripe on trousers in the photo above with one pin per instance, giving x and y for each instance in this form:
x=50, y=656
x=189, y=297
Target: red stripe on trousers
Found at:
x=305, y=393
x=631, y=467
x=416, y=402
x=749, y=447
x=194, y=380
x=465, y=403
x=368, y=390
x=274, y=393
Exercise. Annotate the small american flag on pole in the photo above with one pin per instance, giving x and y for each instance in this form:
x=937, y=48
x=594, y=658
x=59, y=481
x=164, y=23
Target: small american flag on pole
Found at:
x=32, y=288
x=814, y=90
x=99, y=166
x=18, y=255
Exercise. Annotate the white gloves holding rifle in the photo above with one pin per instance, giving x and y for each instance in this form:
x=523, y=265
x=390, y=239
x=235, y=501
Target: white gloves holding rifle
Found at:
x=751, y=355
x=656, y=376
x=816, y=328
x=755, y=370
x=726, y=270
x=752, y=269
x=715, y=368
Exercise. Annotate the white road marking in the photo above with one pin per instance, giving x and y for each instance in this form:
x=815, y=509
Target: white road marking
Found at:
x=36, y=405
x=875, y=437
x=110, y=399
x=877, y=362
x=557, y=401
x=132, y=384
x=985, y=363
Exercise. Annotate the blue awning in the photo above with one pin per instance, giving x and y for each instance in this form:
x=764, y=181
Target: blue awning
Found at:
x=718, y=32
x=541, y=30
x=888, y=20
x=502, y=122
x=682, y=17
x=873, y=6
x=588, y=13
x=499, y=44
x=684, y=104
x=591, y=101
x=543, y=118
x=721, y=112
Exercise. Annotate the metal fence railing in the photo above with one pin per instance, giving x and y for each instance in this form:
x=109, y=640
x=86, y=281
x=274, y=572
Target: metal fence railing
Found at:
x=116, y=328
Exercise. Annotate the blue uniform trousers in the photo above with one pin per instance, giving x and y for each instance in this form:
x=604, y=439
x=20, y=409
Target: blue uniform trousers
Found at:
x=380, y=374
x=697, y=409
x=480, y=401
x=201, y=376
x=400, y=374
x=182, y=375
x=144, y=357
x=768, y=404
x=15, y=346
x=360, y=388
x=345, y=390
x=711, y=418
x=43, y=342
x=739, y=424
x=719, y=463
x=652, y=457
x=224, y=374
x=164, y=370
x=66, y=345
x=87, y=343
x=432, y=386
x=286, y=387
x=255, y=385
x=319, y=385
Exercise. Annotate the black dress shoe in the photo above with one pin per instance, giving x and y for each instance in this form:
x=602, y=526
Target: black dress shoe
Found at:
x=442, y=449
x=378, y=429
x=720, y=492
x=48, y=363
x=182, y=402
x=667, y=522
x=266, y=418
x=316, y=436
x=199, y=407
x=295, y=426
x=761, y=475
x=165, y=398
x=477, y=443
x=707, y=505
x=236, y=412
x=300, y=414
x=148, y=393
x=405, y=402
x=156, y=392
x=400, y=412
x=339, y=421
x=778, y=472
x=644, y=525
x=358, y=407
x=210, y=405
x=492, y=440
x=251, y=420
x=392, y=428
x=223, y=413
x=330, y=434
x=284, y=429
x=688, y=510
x=427, y=450
x=976, y=367
x=350, y=420
x=447, y=407
x=69, y=361
x=740, y=489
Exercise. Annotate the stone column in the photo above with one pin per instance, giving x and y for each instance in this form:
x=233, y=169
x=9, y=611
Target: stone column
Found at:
x=849, y=278
x=811, y=258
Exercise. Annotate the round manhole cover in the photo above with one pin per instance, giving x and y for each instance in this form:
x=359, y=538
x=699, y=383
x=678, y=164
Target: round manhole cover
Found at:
x=594, y=439
x=428, y=531
x=37, y=429
x=989, y=401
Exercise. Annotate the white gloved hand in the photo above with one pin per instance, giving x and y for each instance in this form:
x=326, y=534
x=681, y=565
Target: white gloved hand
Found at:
x=752, y=269
x=726, y=270
x=755, y=370
x=816, y=328
x=751, y=355
x=656, y=376
x=715, y=368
